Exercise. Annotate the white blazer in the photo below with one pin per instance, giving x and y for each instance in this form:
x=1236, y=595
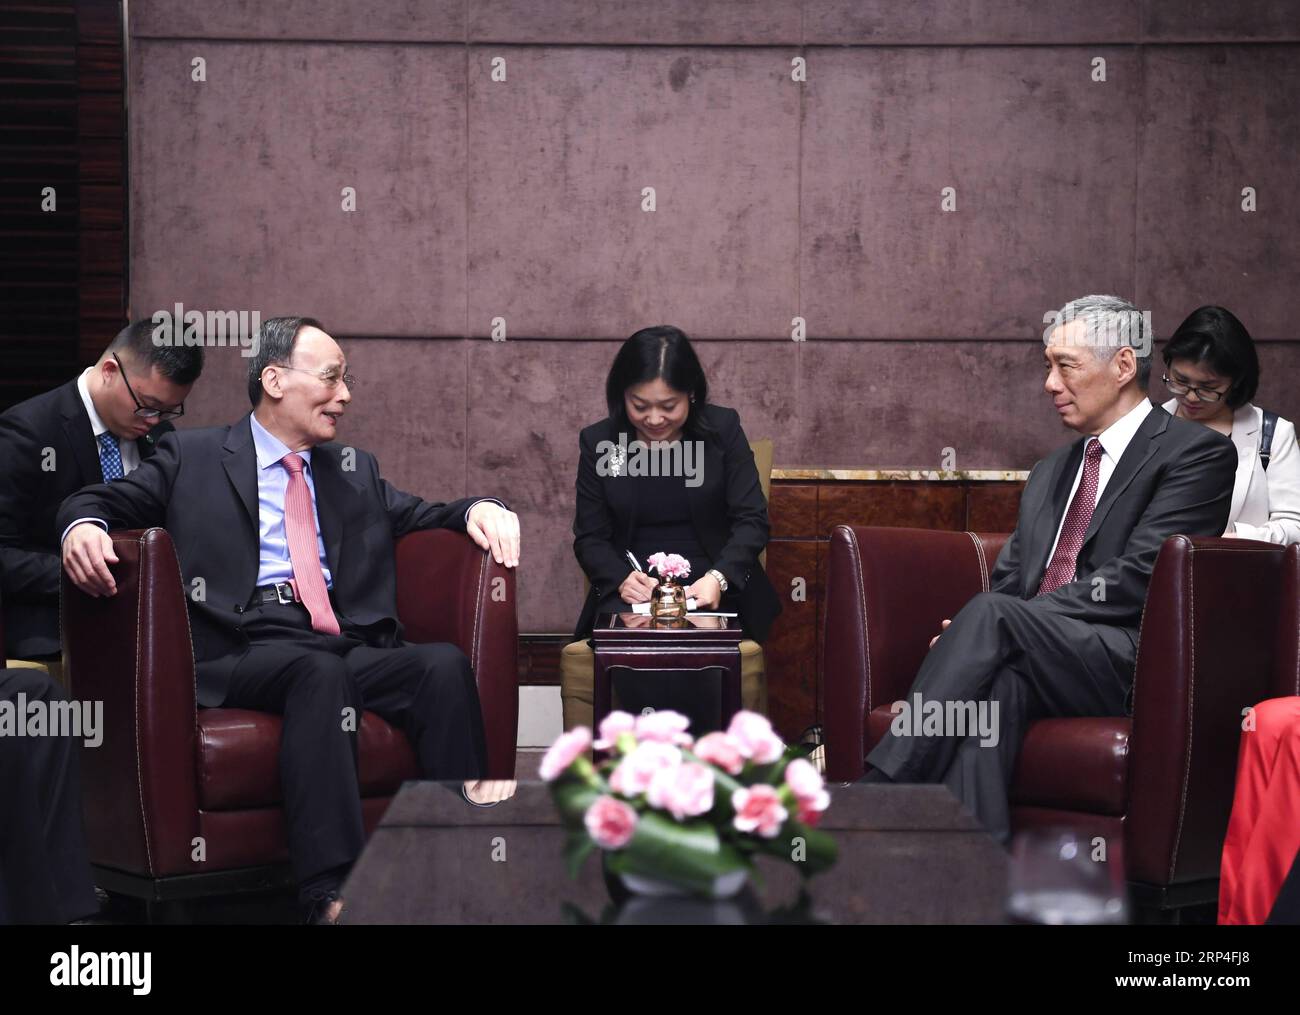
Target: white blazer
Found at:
x=1265, y=505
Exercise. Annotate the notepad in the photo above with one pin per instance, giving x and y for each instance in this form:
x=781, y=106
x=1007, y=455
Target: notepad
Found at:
x=645, y=607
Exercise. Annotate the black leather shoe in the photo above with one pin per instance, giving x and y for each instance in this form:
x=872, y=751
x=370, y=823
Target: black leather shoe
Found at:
x=318, y=909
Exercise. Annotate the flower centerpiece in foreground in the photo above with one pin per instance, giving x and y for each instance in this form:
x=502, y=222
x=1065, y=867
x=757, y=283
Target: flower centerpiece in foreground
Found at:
x=692, y=814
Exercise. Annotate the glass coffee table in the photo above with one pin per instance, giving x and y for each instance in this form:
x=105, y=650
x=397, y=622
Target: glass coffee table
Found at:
x=907, y=855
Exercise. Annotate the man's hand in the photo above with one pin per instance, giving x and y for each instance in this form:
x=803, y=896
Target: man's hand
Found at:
x=495, y=529
x=943, y=628
x=490, y=791
x=87, y=552
x=706, y=592
x=637, y=588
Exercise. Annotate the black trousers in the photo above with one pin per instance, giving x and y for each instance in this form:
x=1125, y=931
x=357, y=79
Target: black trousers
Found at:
x=320, y=684
x=1033, y=664
x=44, y=870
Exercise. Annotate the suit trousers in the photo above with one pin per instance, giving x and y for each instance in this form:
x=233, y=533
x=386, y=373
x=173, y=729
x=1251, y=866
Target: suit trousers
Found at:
x=1032, y=663
x=320, y=684
x=44, y=869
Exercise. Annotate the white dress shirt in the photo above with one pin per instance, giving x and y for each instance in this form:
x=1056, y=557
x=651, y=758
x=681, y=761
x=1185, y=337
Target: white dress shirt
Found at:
x=1114, y=439
x=130, y=453
x=1265, y=505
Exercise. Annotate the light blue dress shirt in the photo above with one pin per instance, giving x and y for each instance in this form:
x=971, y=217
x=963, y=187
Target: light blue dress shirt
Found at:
x=273, y=564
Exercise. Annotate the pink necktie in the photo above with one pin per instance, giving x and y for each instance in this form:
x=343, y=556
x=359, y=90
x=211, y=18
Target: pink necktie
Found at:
x=300, y=528
x=1065, y=561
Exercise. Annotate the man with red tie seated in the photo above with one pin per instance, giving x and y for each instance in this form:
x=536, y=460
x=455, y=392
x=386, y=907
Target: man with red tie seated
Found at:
x=292, y=537
x=1056, y=634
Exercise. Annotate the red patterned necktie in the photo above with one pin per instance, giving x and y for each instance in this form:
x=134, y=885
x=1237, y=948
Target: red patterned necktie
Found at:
x=300, y=529
x=1064, y=564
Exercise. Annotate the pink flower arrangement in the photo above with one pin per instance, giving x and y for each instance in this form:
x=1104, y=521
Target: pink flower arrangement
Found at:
x=612, y=727
x=665, y=727
x=684, y=792
x=610, y=823
x=670, y=565
x=811, y=798
x=633, y=774
x=721, y=749
x=564, y=752
x=755, y=737
x=737, y=791
x=758, y=809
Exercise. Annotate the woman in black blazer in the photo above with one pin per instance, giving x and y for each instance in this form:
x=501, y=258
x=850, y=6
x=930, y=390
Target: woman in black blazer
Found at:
x=714, y=514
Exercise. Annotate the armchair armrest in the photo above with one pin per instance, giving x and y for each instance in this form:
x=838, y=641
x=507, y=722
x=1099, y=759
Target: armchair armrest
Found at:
x=132, y=651
x=887, y=590
x=451, y=591
x=1206, y=652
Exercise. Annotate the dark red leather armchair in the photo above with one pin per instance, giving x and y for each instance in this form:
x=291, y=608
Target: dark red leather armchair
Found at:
x=169, y=774
x=1161, y=781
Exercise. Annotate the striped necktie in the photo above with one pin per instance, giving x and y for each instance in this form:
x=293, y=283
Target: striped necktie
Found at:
x=1065, y=561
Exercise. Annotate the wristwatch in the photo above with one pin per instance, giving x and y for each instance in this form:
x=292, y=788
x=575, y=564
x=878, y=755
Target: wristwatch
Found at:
x=720, y=578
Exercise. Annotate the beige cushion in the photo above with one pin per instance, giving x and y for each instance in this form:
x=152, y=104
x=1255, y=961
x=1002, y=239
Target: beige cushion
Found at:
x=54, y=667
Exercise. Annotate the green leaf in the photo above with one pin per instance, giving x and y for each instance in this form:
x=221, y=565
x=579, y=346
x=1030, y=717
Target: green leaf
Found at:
x=572, y=800
x=691, y=855
x=577, y=848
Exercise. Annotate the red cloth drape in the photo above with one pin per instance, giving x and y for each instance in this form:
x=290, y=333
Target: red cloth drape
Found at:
x=1264, y=830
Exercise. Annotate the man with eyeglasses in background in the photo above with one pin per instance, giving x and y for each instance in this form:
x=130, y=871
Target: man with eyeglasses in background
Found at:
x=95, y=429
x=294, y=536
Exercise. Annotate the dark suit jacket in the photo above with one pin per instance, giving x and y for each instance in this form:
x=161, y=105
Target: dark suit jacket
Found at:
x=1175, y=477
x=727, y=509
x=201, y=486
x=29, y=499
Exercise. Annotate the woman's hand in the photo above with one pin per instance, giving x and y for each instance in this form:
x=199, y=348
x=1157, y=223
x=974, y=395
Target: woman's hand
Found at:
x=706, y=592
x=637, y=587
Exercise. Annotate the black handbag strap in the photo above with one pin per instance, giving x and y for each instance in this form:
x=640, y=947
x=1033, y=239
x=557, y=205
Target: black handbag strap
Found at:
x=1266, y=438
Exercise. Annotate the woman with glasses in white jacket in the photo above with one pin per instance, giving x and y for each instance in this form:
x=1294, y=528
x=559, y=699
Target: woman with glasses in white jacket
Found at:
x=1212, y=371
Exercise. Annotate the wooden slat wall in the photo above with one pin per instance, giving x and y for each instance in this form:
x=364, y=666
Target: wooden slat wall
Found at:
x=62, y=273
x=101, y=150
x=38, y=149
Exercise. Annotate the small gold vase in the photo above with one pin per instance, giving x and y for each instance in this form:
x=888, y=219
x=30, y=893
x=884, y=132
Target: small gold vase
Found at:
x=668, y=603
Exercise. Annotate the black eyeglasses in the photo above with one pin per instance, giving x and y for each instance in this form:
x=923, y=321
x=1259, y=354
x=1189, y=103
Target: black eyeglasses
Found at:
x=1202, y=394
x=146, y=411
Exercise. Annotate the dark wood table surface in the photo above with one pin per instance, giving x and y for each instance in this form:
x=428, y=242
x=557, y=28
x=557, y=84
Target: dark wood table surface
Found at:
x=907, y=855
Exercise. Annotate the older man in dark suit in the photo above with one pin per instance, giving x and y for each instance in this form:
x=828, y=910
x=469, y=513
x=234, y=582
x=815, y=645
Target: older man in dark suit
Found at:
x=292, y=536
x=94, y=429
x=1057, y=633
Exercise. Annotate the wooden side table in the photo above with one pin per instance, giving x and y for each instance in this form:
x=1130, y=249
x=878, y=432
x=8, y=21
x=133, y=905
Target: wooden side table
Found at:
x=631, y=640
